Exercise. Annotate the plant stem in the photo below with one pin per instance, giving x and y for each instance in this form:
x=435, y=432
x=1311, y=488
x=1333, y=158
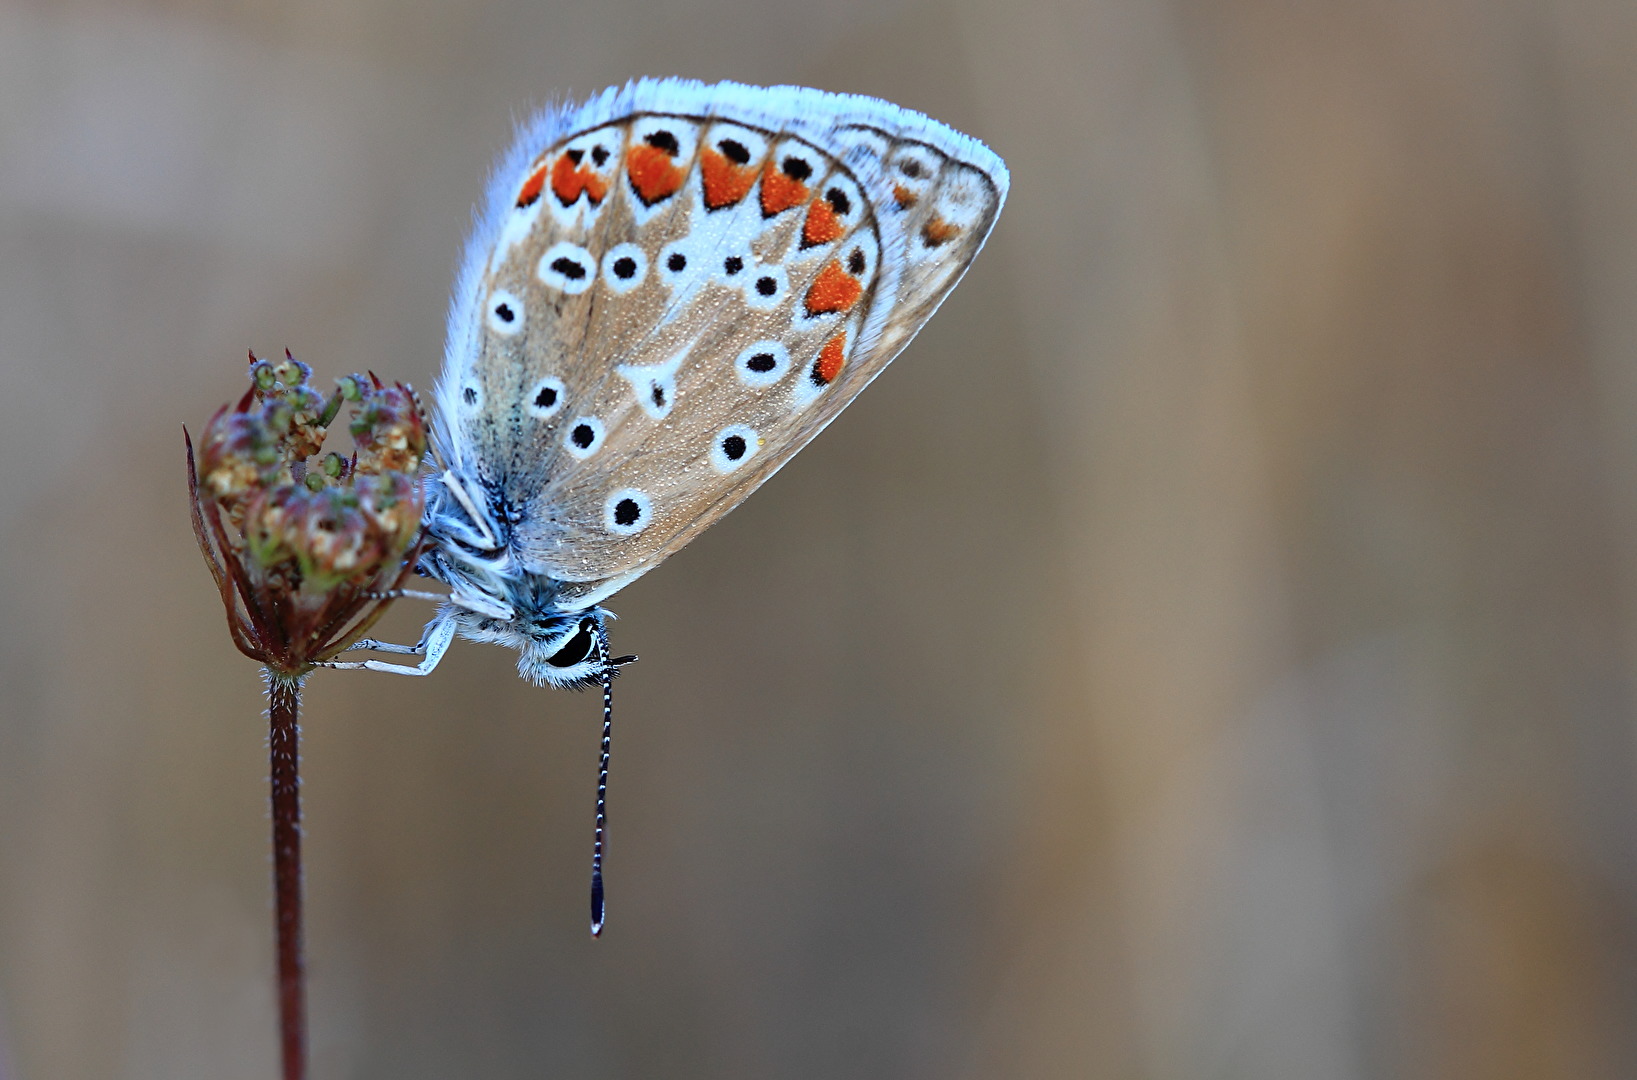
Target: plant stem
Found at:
x=284, y=706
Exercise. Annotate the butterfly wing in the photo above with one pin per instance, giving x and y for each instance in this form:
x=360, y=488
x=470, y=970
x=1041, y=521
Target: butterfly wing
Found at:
x=674, y=288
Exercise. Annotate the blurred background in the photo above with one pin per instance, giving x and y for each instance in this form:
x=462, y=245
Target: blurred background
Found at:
x=1207, y=653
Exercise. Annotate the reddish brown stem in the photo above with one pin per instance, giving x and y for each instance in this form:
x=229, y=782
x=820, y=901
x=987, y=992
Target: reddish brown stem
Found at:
x=284, y=698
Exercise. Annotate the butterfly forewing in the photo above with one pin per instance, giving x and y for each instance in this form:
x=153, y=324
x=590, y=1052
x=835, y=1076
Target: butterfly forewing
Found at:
x=675, y=300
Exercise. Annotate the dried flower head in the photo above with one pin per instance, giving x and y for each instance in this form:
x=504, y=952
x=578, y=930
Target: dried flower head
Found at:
x=307, y=550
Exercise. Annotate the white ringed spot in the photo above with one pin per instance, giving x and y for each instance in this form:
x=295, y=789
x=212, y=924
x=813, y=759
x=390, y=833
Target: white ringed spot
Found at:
x=734, y=445
x=627, y=512
x=568, y=268
x=678, y=262
x=767, y=286
x=762, y=364
x=734, y=268
x=546, y=397
x=584, y=437
x=624, y=267
x=505, y=314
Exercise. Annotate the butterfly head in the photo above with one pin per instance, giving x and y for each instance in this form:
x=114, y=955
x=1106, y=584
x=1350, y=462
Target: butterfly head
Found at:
x=566, y=655
x=567, y=650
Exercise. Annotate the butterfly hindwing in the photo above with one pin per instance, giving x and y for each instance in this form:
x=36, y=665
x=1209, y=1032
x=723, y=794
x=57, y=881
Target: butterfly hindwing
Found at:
x=675, y=287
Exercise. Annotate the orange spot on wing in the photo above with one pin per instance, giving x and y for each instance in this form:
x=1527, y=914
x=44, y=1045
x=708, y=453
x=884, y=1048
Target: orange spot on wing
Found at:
x=830, y=359
x=903, y=196
x=654, y=176
x=532, y=188
x=937, y=232
x=833, y=290
x=569, y=180
x=822, y=225
x=725, y=182
x=780, y=192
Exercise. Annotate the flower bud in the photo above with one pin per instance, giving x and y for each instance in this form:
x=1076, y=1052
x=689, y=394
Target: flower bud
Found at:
x=303, y=548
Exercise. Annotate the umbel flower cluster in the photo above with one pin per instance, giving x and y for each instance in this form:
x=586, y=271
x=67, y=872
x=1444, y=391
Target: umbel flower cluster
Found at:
x=307, y=550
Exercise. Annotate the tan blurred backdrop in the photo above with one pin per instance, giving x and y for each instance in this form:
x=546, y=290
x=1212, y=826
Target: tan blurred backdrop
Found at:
x=1206, y=654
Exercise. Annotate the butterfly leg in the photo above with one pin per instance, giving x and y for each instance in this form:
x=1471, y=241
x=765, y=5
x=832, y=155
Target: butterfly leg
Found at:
x=372, y=645
x=433, y=644
x=406, y=594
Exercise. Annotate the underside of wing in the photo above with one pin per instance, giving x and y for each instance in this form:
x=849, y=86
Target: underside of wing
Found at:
x=673, y=289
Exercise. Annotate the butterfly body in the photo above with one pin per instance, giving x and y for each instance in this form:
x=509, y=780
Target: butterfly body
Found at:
x=496, y=597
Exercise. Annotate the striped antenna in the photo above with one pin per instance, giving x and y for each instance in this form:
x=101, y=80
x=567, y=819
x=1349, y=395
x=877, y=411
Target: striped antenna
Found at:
x=602, y=783
x=610, y=668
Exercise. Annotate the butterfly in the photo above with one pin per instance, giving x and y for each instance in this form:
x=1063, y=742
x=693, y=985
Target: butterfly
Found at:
x=669, y=291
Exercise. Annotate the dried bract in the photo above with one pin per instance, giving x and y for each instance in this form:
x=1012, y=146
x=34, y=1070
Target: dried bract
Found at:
x=306, y=553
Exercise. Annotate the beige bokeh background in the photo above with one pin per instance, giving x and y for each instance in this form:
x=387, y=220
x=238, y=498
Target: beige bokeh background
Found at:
x=1206, y=654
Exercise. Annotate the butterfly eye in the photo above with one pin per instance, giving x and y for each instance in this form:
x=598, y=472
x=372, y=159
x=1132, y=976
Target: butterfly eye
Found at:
x=762, y=364
x=734, y=446
x=576, y=648
x=505, y=313
x=627, y=512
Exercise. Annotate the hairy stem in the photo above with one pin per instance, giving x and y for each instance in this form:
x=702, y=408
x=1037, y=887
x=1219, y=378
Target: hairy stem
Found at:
x=284, y=698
